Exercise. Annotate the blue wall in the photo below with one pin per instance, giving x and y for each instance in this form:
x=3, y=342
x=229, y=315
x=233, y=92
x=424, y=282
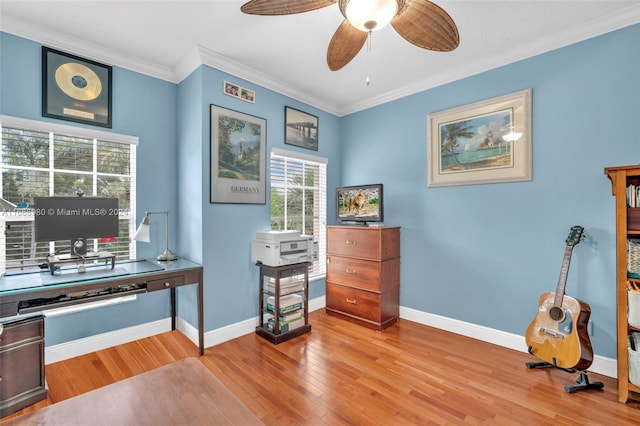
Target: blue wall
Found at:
x=172, y=122
x=143, y=107
x=484, y=253
x=231, y=290
x=481, y=254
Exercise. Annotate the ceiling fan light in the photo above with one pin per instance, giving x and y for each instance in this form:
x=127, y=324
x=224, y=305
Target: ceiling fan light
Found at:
x=368, y=15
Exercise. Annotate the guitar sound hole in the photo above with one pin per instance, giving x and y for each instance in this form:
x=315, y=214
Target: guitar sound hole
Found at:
x=556, y=313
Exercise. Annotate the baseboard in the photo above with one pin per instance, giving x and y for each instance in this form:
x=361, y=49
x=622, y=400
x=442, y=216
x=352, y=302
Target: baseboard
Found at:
x=232, y=331
x=601, y=365
x=98, y=342
x=101, y=341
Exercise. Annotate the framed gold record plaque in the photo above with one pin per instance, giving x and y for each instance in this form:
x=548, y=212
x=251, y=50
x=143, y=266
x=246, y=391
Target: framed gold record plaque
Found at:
x=75, y=89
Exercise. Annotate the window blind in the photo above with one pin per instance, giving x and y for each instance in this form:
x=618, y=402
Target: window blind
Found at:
x=61, y=161
x=299, y=198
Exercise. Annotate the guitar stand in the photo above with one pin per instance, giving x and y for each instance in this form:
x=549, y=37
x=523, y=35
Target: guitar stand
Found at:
x=582, y=380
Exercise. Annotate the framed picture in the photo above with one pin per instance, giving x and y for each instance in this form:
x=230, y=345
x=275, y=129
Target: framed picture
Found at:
x=239, y=92
x=247, y=95
x=75, y=89
x=231, y=89
x=238, y=147
x=484, y=142
x=300, y=128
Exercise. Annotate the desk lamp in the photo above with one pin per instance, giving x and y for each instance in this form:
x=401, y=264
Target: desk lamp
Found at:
x=142, y=234
x=6, y=206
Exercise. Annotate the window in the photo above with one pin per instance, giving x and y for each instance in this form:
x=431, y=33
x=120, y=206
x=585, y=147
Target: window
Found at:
x=299, y=198
x=47, y=159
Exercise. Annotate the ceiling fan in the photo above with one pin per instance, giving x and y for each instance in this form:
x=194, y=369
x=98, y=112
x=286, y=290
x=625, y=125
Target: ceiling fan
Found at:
x=420, y=22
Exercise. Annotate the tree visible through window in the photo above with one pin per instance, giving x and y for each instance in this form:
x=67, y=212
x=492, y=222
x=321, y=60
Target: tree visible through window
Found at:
x=299, y=198
x=38, y=162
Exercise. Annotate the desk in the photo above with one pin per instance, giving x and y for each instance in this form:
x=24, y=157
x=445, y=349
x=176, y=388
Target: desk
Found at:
x=22, y=346
x=37, y=291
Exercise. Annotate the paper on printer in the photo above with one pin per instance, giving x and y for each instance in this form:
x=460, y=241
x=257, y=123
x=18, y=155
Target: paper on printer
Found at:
x=277, y=248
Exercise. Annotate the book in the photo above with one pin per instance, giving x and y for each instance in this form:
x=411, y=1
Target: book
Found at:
x=286, y=290
x=289, y=316
x=287, y=285
x=285, y=309
x=287, y=281
x=288, y=303
x=285, y=326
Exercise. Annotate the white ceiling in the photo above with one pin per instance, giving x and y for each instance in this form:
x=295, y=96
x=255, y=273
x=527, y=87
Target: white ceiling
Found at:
x=169, y=39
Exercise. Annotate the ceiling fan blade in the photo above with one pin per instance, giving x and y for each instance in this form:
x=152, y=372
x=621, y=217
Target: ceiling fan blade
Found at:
x=426, y=25
x=345, y=45
x=283, y=7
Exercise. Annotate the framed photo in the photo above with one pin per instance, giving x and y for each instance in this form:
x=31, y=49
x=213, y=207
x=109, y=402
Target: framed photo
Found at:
x=300, y=128
x=238, y=147
x=231, y=89
x=247, y=95
x=239, y=92
x=484, y=142
x=75, y=89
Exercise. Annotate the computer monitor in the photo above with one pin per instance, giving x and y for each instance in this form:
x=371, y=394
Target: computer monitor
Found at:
x=75, y=219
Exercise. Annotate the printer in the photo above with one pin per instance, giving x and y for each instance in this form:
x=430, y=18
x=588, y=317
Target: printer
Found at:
x=277, y=248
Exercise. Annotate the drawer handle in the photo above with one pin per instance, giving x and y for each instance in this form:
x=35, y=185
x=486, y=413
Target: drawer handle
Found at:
x=351, y=243
x=352, y=301
x=351, y=271
x=167, y=284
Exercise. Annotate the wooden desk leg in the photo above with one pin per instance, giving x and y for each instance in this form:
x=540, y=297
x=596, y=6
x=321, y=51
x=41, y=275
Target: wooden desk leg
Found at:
x=173, y=309
x=200, y=314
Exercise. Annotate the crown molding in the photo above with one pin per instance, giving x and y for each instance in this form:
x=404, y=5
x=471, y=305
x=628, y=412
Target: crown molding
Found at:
x=82, y=48
x=198, y=56
x=225, y=64
x=590, y=29
x=203, y=56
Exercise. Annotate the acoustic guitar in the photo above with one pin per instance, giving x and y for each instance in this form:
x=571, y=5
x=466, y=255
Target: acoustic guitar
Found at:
x=558, y=334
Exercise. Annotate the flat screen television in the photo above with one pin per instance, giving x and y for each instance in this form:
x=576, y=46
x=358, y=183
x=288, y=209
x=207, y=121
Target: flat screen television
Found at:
x=361, y=204
x=75, y=219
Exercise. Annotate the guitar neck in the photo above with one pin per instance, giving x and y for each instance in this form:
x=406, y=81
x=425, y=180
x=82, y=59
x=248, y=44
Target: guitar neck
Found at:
x=562, y=280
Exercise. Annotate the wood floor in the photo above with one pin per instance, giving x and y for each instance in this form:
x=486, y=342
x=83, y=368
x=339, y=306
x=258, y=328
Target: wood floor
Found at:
x=341, y=374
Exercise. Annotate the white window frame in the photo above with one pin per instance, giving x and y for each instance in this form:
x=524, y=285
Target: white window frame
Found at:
x=320, y=236
x=76, y=132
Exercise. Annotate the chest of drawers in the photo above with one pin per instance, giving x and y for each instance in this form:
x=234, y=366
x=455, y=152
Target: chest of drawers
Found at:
x=363, y=274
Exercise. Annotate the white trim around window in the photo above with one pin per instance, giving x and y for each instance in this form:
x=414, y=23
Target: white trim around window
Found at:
x=50, y=127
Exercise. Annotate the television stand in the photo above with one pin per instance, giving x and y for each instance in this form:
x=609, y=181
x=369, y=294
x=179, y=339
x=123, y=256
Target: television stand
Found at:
x=54, y=262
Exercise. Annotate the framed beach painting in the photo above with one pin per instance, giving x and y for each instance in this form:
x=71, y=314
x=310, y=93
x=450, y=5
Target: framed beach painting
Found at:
x=238, y=147
x=483, y=142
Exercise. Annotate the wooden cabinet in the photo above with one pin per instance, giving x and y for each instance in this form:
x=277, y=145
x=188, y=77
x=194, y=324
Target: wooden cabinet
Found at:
x=627, y=228
x=363, y=274
x=21, y=364
x=285, y=290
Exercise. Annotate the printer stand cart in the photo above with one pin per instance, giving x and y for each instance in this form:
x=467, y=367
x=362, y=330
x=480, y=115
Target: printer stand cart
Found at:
x=284, y=300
